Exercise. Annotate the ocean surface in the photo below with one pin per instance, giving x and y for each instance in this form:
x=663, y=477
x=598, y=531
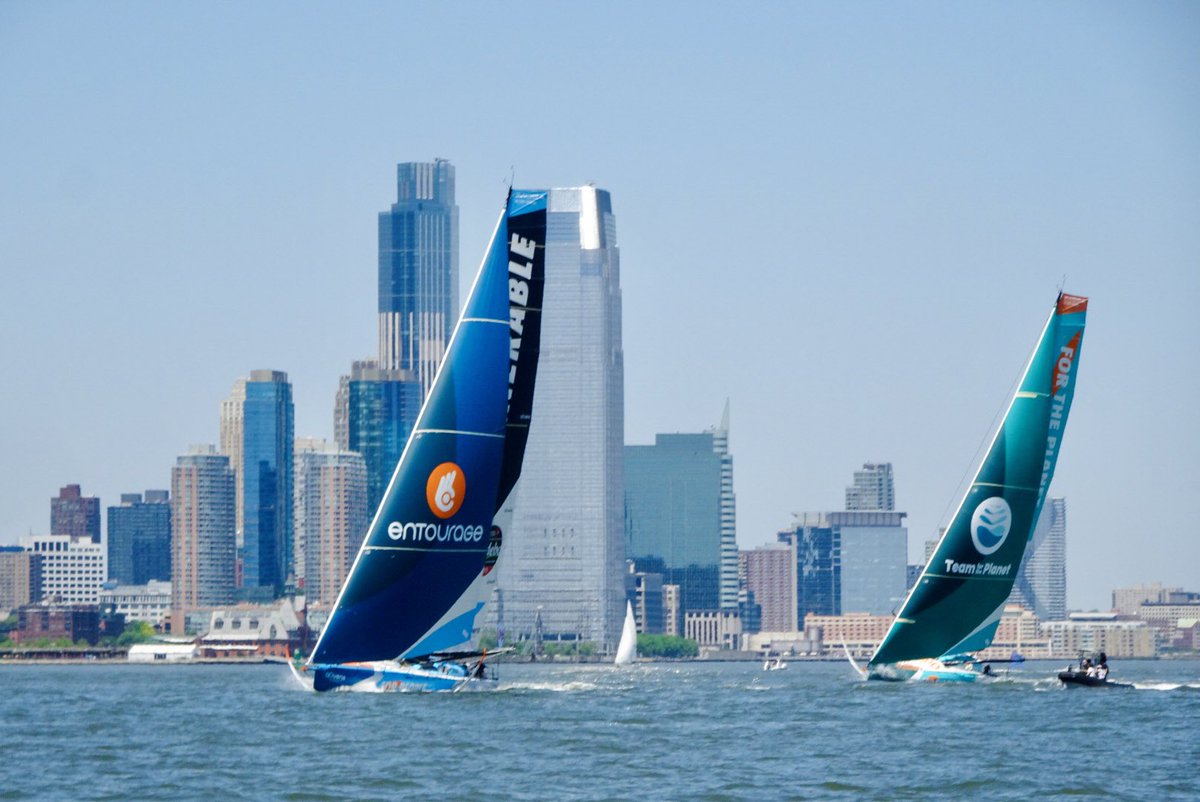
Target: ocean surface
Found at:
x=685, y=731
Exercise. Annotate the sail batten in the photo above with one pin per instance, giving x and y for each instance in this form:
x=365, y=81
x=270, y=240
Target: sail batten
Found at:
x=955, y=605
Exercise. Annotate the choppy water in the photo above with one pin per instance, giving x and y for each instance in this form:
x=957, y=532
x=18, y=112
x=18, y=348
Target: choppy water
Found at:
x=699, y=731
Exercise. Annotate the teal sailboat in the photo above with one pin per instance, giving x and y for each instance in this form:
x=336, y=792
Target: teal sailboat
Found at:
x=406, y=614
x=954, y=608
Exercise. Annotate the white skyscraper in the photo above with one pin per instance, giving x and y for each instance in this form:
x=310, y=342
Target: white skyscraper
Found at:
x=729, y=549
x=1042, y=581
x=73, y=567
x=564, y=549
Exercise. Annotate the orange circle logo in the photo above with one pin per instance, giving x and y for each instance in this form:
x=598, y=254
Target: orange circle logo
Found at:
x=445, y=489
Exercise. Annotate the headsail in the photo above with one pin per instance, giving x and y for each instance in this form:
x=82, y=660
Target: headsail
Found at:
x=627, y=648
x=432, y=538
x=956, y=604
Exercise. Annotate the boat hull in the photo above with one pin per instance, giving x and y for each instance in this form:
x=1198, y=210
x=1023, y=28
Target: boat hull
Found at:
x=928, y=670
x=1081, y=679
x=394, y=677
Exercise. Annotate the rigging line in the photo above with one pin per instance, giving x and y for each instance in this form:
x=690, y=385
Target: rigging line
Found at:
x=987, y=435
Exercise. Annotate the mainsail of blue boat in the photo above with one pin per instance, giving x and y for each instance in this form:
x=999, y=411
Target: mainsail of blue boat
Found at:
x=954, y=608
x=421, y=575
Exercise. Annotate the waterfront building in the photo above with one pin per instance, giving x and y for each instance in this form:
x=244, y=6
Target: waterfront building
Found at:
x=861, y=632
x=257, y=434
x=565, y=550
x=769, y=574
x=375, y=412
x=1128, y=601
x=203, y=539
x=250, y=631
x=1020, y=632
x=1165, y=617
x=72, y=513
x=714, y=630
x=20, y=578
x=73, y=567
x=139, y=538
x=331, y=515
x=149, y=602
x=1041, y=583
x=1088, y=633
x=418, y=271
x=47, y=621
x=874, y=488
x=849, y=562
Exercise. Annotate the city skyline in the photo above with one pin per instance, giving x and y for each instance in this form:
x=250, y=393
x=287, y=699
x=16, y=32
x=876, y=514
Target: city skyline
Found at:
x=852, y=229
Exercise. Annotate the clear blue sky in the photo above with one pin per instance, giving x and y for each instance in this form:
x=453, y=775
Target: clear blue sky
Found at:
x=851, y=219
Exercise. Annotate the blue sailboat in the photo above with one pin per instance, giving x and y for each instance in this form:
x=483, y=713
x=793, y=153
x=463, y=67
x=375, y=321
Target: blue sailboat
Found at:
x=420, y=579
x=954, y=609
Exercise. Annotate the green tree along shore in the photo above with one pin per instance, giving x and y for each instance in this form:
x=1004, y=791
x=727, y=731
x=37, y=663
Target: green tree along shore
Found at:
x=135, y=632
x=671, y=646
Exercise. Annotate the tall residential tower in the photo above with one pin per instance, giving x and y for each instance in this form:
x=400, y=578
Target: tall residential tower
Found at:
x=202, y=526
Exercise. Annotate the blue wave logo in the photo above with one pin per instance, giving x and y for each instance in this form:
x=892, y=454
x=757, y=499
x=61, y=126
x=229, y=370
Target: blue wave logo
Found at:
x=990, y=525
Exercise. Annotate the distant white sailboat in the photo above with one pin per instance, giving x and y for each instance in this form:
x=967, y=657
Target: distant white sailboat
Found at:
x=627, y=648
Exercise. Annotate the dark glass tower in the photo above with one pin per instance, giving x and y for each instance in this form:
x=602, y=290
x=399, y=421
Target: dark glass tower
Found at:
x=381, y=410
x=418, y=270
x=139, y=538
x=257, y=432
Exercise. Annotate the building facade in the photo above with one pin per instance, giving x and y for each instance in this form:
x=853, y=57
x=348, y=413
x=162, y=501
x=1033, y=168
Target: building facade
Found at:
x=769, y=573
x=566, y=552
x=376, y=412
x=331, y=516
x=257, y=434
x=149, y=602
x=849, y=562
x=1088, y=633
x=874, y=488
x=139, y=538
x=20, y=578
x=72, y=513
x=673, y=515
x=73, y=568
x=1041, y=583
x=418, y=271
x=203, y=562
x=1128, y=601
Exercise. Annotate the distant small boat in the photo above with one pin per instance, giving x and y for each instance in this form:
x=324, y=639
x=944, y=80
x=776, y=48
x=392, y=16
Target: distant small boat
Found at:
x=627, y=648
x=774, y=664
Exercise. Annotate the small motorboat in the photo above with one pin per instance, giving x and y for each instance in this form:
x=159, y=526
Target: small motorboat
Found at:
x=1074, y=676
x=774, y=664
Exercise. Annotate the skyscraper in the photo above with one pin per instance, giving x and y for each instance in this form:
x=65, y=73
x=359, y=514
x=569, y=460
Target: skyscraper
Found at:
x=331, y=515
x=257, y=433
x=203, y=540
x=849, y=562
x=673, y=515
x=1041, y=583
x=139, y=538
x=565, y=550
x=376, y=411
x=874, y=488
x=72, y=513
x=72, y=568
x=728, y=502
x=418, y=270
x=770, y=575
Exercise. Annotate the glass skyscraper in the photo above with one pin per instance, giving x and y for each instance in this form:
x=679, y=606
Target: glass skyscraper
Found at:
x=673, y=515
x=257, y=432
x=564, y=551
x=376, y=411
x=139, y=538
x=849, y=562
x=418, y=270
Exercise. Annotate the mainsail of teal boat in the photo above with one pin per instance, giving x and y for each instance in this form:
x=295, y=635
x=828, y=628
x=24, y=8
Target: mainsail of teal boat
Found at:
x=954, y=608
x=409, y=603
